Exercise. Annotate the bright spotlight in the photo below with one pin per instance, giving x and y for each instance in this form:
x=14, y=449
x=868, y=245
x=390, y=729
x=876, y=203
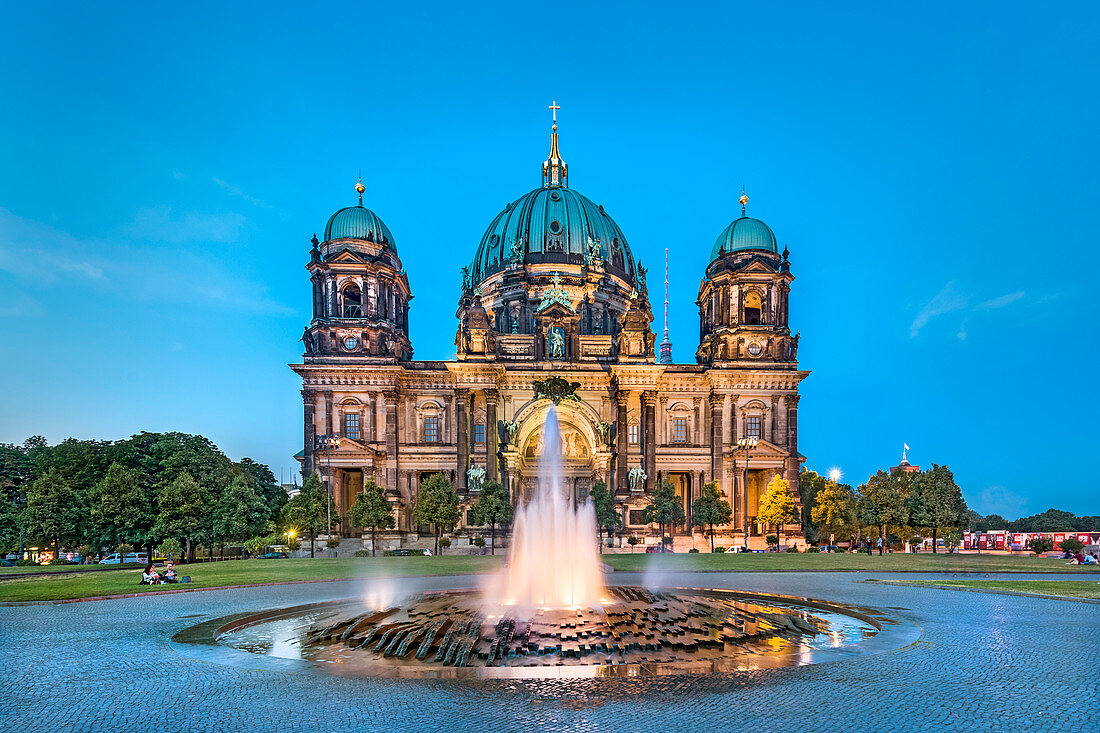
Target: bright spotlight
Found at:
x=835, y=474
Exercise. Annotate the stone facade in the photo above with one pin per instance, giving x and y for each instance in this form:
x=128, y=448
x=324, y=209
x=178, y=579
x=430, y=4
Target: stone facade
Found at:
x=553, y=291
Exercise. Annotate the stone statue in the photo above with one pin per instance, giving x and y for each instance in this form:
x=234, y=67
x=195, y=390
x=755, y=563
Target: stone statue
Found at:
x=794, y=345
x=636, y=478
x=307, y=340
x=557, y=343
x=602, y=429
x=475, y=474
x=465, y=277
x=511, y=427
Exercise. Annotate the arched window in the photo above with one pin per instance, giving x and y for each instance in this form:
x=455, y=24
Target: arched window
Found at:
x=353, y=301
x=752, y=308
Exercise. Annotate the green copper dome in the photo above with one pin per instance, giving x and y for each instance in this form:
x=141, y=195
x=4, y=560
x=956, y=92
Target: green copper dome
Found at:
x=552, y=224
x=358, y=222
x=745, y=233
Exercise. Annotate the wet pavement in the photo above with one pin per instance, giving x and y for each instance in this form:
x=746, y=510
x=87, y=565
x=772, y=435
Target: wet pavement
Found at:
x=983, y=662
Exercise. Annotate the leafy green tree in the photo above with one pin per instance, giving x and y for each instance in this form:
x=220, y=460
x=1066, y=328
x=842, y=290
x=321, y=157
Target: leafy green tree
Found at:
x=120, y=509
x=777, y=505
x=809, y=484
x=371, y=510
x=309, y=510
x=183, y=508
x=170, y=549
x=633, y=540
x=665, y=508
x=711, y=509
x=881, y=501
x=238, y=513
x=1072, y=545
x=493, y=507
x=943, y=504
x=834, y=508
x=264, y=484
x=54, y=511
x=437, y=505
x=9, y=524
x=603, y=502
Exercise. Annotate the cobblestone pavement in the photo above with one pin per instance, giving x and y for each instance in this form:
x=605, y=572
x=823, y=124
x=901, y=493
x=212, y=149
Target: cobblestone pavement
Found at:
x=983, y=663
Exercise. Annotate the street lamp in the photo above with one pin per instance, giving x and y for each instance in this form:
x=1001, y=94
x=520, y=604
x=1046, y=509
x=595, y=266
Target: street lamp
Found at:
x=746, y=444
x=328, y=442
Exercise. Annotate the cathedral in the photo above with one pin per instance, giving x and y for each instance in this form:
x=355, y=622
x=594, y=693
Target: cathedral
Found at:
x=553, y=308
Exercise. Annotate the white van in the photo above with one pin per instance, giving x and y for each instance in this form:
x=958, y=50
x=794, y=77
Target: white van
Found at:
x=115, y=558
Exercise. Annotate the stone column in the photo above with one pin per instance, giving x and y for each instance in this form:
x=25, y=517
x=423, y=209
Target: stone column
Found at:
x=309, y=437
x=791, y=402
x=462, y=410
x=773, y=434
x=622, y=398
x=697, y=433
x=716, y=438
x=328, y=412
x=492, y=436
x=649, y=431
x=391, y=438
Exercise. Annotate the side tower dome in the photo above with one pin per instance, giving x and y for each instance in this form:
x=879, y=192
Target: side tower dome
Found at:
x=743, y=299
x=361, y=293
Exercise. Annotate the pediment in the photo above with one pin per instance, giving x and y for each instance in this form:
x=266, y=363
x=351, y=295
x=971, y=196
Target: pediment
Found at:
x=556, y=310
x=763, y=449
x=759, y=266
x=348, y=256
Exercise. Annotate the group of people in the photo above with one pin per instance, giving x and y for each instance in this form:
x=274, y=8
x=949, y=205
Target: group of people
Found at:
x=1076, y=558
x=150, y=576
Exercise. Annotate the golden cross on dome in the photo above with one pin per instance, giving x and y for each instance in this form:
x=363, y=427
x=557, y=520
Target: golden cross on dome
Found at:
x=554, y=110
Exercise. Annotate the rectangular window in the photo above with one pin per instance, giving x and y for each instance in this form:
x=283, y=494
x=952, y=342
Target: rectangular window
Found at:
x=479, y=433
x=351, y=425
x=634, y=434
x=634, y=517
x=679, y=430
x=752, y=427
x=431, y=429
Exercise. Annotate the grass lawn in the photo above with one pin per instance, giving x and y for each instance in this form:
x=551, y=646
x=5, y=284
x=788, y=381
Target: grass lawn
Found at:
x=1063, y=588
x=21, y=569
x=238, y=572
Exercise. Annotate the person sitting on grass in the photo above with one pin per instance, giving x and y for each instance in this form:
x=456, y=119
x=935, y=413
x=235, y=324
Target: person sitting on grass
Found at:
x=1090, y=559
x=150, y=576
x=169, y=573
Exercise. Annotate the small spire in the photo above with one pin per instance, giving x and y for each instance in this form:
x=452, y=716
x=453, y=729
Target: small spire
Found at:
x=554, y=171
x=360, y=188
x=666, y=345
x=744, y=199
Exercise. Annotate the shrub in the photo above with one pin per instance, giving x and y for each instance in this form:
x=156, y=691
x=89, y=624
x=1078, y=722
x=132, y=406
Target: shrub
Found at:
x=26, y=562
x=479, y=541
x=385, y=553
x=813, y=548
x=772, y=539
x=366, y=553
x=840, y=549
x=332, y=542
x=1039, y=545
x=171, y=549
x=719, y=549
x=792, y=548
x=633, y=540
x=1072, y=545
x=694, y=549
x=444, y=543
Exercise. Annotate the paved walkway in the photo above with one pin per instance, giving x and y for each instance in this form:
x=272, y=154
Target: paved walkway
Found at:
x=984, y=663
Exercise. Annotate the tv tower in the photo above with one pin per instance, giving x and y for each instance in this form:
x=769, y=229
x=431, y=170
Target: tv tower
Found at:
x=666, y=345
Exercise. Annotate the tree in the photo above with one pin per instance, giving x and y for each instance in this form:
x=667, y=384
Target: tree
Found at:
x=437, y=505
x=9, y=524
x=711, y=509
x=120, y=509
x=664, y=508
x=54, y=511
x=183, y=505
x=371, y=510
x=809, y=484
x=777, y=505
x=1072, y=545
x=264, y=484
x=881, y=500
x=943, y=504
x=603, y=502
x=493, y=507
x=307, y=511
x=170, y=549
x=834, y=508
x=633, y=540
x=238, y=513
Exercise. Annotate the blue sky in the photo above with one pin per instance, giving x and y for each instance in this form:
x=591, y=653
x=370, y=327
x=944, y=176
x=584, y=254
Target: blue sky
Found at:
x=932, y=168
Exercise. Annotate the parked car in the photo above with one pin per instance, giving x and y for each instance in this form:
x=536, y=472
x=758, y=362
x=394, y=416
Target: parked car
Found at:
x=131, y=557
x=273, y=556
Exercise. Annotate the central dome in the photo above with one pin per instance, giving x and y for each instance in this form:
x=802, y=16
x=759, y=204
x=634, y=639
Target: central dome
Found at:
x=744, y=233
x=552, y=224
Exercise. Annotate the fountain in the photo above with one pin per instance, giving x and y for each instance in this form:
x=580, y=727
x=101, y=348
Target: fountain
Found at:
x=553, y=560
x=547, y=613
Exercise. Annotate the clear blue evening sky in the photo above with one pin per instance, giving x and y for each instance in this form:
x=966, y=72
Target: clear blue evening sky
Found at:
x=932, y=168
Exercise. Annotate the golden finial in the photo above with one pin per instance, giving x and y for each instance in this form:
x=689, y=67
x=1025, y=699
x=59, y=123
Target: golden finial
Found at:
x=744, y=200
x=360, y=188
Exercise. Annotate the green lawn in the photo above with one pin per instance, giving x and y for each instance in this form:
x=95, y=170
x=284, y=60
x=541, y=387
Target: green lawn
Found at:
x=21, y=569
x=237, y=572
x=1062, y=588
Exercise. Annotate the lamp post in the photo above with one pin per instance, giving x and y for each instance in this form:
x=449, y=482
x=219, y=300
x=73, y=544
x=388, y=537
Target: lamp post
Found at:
x=328, y=442
x=746, y=444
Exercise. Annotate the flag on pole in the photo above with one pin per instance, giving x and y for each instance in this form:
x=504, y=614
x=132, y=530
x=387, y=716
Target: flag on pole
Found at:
x=906, y=446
